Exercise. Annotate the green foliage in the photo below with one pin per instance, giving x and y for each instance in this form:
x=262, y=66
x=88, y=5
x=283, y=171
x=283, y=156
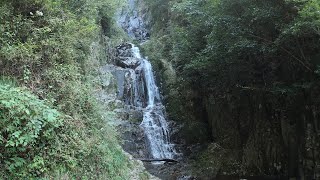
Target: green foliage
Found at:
x=160, y=12
x=39, y=36
x=48, y=47
x=214, y=160
x=217, y=45
x=28, y=127
x=220, y=48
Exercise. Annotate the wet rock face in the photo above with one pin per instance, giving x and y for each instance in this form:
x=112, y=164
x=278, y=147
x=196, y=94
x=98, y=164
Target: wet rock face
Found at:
x=123, y=50
x=128, y=62
x=122, y=91
x=126, y=121
x=134, y=20
x=133, y=139
x=117, y=97
x=130, y=77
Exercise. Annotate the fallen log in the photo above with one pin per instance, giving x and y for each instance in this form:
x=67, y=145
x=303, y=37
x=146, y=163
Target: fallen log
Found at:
x=158, y=160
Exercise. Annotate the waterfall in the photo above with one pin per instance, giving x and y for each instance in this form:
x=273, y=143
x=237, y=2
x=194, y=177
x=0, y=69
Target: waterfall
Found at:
x=138, y=89
x=137, y=86
x=154, y=122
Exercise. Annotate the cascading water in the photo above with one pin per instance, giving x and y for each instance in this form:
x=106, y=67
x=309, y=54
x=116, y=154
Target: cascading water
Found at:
x=137, y=86
x=154, y=123
x=142, y=119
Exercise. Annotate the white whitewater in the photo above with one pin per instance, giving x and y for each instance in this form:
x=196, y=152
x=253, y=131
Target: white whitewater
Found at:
x=154, y=123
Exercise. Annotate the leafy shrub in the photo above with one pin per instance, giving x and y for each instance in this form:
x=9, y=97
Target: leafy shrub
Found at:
x=28, y=127
x=46, y=46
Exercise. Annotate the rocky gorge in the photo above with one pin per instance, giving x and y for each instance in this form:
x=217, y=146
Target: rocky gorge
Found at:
x=129, y=89
x=160, y=89
x=244, y=132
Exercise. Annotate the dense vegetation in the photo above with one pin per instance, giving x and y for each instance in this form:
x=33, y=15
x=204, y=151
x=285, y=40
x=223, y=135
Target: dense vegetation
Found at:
x=243, y=74
x=51, y=125
x=247, y=73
